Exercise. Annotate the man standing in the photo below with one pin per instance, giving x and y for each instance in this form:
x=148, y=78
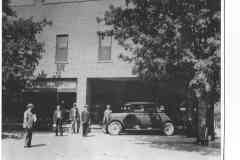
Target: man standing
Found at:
x=106, y=116
x=75, y=118
x=28, y=121
x=85, y=120
x=57, y=120
x=78, y=119
x=62, y=104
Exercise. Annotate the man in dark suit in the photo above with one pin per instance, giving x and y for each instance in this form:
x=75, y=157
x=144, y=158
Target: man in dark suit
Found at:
x=28, y=122
x=85, y=120
x=57, y=120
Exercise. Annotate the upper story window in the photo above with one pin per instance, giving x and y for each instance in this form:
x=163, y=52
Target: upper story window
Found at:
x=105, y=46
x=61, y=49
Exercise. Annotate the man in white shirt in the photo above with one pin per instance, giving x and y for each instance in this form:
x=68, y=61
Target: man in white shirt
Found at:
x=57, y=120
x=28, y=122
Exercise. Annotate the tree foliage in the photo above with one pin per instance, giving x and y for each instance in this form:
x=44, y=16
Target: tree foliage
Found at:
x=21, y=50
x=171, y=39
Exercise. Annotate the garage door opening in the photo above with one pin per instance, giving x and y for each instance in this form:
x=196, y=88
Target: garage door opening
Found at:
x=117, y=91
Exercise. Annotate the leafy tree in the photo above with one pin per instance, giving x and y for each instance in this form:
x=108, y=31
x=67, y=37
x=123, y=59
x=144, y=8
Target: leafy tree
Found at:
x=172, y=39
x=21, y=51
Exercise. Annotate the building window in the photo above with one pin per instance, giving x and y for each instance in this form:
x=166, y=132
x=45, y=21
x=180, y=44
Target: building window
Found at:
x=105, y=46
x=61, y=49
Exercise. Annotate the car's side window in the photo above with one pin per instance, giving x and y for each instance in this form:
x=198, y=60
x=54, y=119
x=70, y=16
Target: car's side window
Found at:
x=138, y=108
x=150, y=109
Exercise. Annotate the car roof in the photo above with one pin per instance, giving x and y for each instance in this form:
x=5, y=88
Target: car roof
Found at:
x=133, y=103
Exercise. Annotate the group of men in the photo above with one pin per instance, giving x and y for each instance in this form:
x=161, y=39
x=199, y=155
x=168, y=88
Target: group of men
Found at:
x=78, y=120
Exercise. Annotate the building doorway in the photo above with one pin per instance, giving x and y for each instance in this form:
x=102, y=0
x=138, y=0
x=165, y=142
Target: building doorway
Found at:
x=68, y=97
x=44, y=101
x=47, y=94
x=66, y=100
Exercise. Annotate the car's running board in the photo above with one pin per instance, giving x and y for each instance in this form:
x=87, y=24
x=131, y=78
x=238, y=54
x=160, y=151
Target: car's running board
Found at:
x=152, y=129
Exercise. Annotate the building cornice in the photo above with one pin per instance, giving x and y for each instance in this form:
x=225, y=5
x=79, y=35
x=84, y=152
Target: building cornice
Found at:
x=52, y=3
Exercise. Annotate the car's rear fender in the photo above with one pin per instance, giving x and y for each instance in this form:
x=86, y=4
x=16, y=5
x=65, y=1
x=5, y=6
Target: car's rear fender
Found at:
x=168, y=121
x=165, y=119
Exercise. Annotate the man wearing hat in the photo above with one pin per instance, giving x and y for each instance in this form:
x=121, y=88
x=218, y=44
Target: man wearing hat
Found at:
x=28, y=121
x=85, y=119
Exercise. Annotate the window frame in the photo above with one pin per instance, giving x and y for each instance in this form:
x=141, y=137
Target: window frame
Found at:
x=62, y=48
x=100, y=46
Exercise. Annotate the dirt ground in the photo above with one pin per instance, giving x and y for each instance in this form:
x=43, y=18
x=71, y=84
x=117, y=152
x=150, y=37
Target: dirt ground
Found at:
x=99, y=146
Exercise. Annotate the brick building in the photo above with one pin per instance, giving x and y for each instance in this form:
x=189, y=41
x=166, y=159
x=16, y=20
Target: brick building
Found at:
x=80, y=64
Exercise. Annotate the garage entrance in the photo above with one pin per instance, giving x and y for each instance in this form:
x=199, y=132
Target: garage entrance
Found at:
x=47, y=93
x=117, y=91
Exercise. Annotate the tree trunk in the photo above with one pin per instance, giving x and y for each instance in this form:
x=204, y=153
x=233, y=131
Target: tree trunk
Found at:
x=211, y=121
x=202, y=130
x=205, y=121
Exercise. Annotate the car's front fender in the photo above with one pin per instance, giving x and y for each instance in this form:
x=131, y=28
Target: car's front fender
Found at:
x=118, y=117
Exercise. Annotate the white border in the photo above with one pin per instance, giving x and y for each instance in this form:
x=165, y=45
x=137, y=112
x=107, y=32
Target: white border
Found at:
x=222, y=77
x=232, y=80
x=230, y=44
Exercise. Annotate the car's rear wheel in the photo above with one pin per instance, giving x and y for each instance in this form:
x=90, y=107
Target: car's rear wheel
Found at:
x=114, y=128
x=168, y=129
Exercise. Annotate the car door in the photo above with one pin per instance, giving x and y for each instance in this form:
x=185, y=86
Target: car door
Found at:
x=135, y=118
x=131, y=120
x=143, y=117
x=152, y=117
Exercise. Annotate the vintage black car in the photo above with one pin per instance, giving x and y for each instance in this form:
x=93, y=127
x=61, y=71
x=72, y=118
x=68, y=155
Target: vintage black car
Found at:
x=140, y=116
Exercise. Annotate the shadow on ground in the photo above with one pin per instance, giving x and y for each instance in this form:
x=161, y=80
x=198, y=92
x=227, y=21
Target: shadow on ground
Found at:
x=38, y=145
x=177, y=142
x=133, y=132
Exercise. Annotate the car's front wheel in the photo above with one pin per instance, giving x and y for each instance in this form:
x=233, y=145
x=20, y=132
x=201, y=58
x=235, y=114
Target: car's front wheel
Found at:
x=114, y=128
x=168, y=129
